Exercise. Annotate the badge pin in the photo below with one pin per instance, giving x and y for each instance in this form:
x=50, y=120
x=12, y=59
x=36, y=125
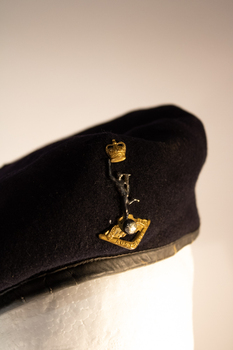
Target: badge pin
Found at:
x=127, y=224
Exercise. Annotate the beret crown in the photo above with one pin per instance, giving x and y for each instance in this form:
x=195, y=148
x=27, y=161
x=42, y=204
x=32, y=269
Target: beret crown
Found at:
x=56, y=201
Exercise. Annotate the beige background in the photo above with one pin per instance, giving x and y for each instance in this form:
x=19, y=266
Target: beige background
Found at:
x=66, y=65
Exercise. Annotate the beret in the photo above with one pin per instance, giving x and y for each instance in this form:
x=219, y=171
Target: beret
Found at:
x=63, y=207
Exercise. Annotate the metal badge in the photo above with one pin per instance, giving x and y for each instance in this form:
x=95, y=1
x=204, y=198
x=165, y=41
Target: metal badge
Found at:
x=127, y=224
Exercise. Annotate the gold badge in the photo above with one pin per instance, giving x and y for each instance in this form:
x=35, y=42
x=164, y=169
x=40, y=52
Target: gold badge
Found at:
x=116, y=151
x=127, y=224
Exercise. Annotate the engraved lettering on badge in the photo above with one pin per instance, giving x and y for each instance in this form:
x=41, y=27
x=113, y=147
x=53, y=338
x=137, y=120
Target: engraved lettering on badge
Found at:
x=127, y=224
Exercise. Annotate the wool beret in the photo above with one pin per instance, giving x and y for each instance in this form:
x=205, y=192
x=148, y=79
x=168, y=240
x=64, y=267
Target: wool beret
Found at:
x=111, y=198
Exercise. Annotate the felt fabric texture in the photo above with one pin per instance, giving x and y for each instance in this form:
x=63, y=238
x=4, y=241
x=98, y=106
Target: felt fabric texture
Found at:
x=55, y=201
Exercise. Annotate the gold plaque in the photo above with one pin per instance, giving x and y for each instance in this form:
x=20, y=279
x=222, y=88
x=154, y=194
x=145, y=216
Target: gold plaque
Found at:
x=115, y=234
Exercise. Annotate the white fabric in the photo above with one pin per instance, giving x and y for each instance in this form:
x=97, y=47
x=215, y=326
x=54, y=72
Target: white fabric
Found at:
x=145, y=308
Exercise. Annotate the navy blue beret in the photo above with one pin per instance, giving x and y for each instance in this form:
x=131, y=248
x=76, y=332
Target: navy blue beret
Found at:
x=64, y=209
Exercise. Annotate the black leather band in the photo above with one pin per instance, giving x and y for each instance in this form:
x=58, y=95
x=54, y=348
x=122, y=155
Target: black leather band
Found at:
x=84, y=271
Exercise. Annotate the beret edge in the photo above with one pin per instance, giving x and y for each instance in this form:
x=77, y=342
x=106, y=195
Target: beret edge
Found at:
x=87, y=270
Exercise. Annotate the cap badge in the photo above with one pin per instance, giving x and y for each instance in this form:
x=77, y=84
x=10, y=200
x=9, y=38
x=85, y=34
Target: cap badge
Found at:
x=116, y=151
x=127, y=224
